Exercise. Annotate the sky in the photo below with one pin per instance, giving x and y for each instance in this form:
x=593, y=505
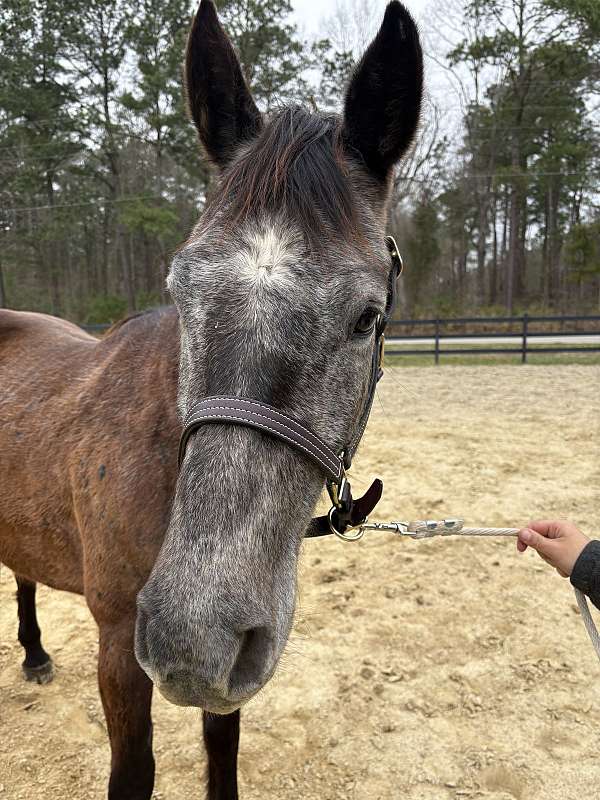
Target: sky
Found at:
x=310, y=13
x=440, y=27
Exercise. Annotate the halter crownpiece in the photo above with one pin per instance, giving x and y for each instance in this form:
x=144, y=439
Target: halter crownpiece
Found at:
x=346, y=512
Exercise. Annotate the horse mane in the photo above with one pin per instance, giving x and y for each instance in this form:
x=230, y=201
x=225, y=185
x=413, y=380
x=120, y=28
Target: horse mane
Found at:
x=294, y=167
x=149, y=312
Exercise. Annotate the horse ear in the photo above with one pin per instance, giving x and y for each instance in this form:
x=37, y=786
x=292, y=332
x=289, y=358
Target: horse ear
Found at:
x=383, y=100
x=218, y=98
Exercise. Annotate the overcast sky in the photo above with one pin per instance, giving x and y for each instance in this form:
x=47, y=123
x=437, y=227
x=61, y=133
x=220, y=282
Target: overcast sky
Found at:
x=310, y=13
x=432, y=16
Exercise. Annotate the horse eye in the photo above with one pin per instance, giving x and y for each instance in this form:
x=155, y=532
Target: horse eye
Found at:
x=365, y=322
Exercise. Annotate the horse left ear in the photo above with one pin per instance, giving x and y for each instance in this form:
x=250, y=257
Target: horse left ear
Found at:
x=218, y=98
x=383, y=100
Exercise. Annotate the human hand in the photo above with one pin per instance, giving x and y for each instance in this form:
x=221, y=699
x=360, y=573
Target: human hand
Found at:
x=558, y=542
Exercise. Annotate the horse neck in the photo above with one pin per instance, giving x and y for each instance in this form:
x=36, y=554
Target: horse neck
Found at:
x=141, y=358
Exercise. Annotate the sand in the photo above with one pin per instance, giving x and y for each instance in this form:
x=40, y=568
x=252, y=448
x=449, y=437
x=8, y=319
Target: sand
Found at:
x=421, y=670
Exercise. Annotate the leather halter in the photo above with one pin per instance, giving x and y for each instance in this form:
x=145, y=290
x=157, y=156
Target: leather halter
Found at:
x=346, y=512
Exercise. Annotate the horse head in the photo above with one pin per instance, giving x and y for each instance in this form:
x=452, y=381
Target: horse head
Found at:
x=279, y=288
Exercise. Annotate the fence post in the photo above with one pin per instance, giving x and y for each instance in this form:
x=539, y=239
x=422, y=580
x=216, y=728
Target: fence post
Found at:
x=524, y=343
x=437, y=341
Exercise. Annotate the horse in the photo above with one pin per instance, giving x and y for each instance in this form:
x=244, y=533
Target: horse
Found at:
x=190, y=574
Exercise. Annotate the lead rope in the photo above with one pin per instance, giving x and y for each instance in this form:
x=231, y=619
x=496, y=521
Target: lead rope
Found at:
x=426, y=529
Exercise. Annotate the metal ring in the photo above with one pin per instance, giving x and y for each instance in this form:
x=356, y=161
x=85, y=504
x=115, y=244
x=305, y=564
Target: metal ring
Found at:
x=353, y=538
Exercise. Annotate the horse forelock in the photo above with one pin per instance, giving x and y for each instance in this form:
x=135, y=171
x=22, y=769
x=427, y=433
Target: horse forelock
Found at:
x=297, y=169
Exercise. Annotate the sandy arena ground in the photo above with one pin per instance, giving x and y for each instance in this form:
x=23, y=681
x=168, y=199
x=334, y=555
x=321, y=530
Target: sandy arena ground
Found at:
x=419, y=670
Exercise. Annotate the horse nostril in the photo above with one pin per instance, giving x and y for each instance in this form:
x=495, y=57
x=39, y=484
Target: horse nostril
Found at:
x=249, y=669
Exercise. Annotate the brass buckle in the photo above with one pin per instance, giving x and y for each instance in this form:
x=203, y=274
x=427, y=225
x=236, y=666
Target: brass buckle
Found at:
x=381, y=352
x=336, y=490
x=395, y=254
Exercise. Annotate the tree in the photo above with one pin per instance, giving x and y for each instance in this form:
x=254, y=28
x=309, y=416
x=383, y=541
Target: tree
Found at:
x=273, y=59
x=98, y=51
x=38, y=134
x=101, y=175
x=422, y=249
x=526, y=41
x=582, y=255
x=154, y=109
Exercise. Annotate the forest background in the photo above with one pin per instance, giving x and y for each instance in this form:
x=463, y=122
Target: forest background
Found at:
x=497, y=207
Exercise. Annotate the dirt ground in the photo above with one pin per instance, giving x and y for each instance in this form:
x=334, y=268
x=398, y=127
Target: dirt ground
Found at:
x=421, y=670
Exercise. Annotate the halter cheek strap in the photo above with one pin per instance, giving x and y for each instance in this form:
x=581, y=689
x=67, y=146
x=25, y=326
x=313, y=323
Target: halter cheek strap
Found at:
x=377, y=357
x=346, y=512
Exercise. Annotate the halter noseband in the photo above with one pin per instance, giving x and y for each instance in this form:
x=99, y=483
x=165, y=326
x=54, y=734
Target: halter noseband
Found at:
x=346, y=512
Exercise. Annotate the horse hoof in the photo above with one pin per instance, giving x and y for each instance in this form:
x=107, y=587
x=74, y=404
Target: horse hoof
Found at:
x=43, y=673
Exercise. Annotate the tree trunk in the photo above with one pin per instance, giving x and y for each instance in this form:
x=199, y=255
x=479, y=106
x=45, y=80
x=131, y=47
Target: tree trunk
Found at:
x=493, y=286
x=103, y=282
x=503, y=250
x=50, y=266
x=555, y=244
x=3, y=300
x=481, y=247
x=513, y=248
x=126, y=277
x=546, y=278
x=129, y=273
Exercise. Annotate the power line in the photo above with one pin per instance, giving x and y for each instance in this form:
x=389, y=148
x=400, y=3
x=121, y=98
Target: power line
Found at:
x=39, y=146
x=98, y=201
x=49, y=157
x=73, y=115
x=52, y=156
x=528, y=106
x=542, y=127
x=413, y=179
x=129, y=134
x=503, y=175
x=123, y=134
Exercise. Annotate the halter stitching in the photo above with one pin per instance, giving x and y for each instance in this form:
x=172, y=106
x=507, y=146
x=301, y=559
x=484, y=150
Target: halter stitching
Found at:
x=277, y=433
x=209, y=407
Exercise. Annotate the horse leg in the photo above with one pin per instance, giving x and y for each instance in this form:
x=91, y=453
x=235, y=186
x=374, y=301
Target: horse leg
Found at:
x=126, y=693
x=221, y=738
x=37, y=665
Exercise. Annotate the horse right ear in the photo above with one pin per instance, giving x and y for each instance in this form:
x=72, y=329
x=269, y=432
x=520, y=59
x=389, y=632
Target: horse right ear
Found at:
x=383, y=100
x=218, y=98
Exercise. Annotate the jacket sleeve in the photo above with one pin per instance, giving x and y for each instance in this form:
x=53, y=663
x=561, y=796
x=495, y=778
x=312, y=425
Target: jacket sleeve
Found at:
x=586, y=572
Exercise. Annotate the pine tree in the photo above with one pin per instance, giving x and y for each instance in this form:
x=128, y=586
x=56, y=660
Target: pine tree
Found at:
x=38, y=133
x=528, y=40
x=273, y=59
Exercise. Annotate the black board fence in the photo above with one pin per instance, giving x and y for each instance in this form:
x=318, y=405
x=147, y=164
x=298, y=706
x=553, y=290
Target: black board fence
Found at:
x=524, y=330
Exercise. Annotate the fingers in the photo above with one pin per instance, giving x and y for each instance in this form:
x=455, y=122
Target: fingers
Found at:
x=531, y=538
x=551, y=528
x=521, y=546
x=558, y=542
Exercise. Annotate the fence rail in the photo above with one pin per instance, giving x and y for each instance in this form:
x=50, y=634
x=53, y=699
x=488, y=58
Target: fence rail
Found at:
x=523, y=335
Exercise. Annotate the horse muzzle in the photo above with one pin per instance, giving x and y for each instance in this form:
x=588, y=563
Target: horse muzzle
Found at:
x=209, y=666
